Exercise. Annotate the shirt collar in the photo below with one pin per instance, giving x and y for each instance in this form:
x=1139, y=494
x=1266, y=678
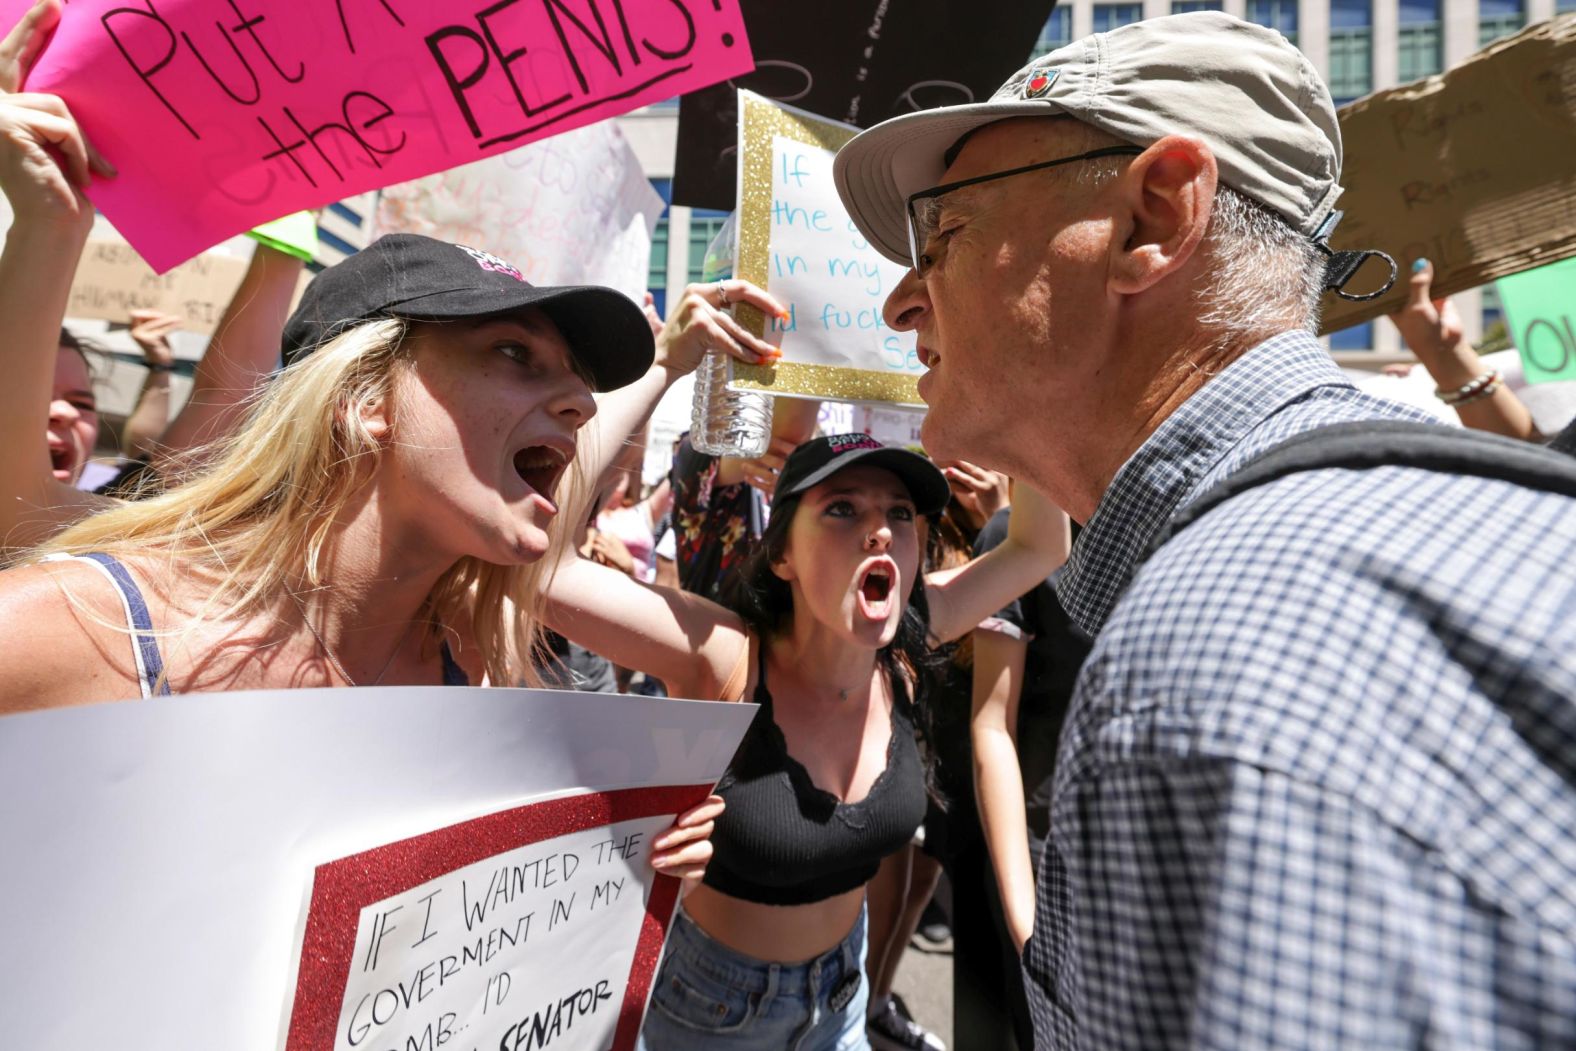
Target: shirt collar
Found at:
x=1157, y=478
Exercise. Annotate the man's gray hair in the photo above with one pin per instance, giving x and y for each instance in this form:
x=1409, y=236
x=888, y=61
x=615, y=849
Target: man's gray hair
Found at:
x=1264, y=277
x=1263, y=274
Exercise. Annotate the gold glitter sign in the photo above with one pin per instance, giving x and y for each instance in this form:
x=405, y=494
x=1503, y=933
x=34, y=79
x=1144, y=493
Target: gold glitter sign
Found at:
x=797, y=242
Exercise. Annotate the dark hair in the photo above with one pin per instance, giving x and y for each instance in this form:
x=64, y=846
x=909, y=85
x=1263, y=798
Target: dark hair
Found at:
x=949, y=716
x=764, y=600
x=82, y=347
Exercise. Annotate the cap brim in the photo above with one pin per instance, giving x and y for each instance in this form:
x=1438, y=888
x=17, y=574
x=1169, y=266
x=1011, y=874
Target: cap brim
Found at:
x=927, y=486
x=879, y=169
x=607, y=333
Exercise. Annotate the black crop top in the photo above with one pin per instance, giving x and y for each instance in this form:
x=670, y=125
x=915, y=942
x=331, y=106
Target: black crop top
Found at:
x=783, y=841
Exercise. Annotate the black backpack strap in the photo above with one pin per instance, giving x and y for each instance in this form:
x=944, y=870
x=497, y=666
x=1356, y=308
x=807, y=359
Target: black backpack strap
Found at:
x=1366, y=444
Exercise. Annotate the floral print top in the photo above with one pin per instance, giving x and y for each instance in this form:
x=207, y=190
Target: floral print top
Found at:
x=714, y=526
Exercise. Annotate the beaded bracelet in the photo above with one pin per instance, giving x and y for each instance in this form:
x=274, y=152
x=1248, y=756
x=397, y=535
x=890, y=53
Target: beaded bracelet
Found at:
x=1486, y=392
x=1480, y=387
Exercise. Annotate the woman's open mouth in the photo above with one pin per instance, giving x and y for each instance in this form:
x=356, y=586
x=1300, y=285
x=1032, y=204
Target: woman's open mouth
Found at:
x=875, y=588
x=62, y=461
x=540, y=467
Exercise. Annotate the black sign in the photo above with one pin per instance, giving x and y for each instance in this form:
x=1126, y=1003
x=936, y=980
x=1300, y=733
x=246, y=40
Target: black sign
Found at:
x=858, y=61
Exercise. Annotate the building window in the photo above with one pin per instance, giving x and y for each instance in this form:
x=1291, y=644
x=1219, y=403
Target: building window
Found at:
x=1279, y=15
x=1497, y=18
x=704, y=226
x=657, y=268
x=1493, y=311
x=657, y=272
x=1358, y=337
x=1057, y=32
x=1182, y=7
x=1421, y=51
x=1351, y=50
x=1109, y=16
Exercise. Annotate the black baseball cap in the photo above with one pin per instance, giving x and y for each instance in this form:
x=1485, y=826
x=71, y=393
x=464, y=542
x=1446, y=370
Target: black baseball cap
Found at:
x=423, y=279
x=819, y=458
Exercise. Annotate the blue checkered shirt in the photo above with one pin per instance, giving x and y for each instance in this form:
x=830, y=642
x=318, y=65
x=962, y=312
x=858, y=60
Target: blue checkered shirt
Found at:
x=1317, y=788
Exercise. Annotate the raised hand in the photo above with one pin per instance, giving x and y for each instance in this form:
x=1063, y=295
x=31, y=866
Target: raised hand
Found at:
x=151, y=331
x=981, y=491
x=1432, y=328
x=762, y=471
x=611, y=551
x=648, y=306
x=22, y=45
x=34, y=131
x=700, y=322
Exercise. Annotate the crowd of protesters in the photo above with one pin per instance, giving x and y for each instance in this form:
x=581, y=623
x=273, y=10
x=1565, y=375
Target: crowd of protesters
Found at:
x=1210, y=757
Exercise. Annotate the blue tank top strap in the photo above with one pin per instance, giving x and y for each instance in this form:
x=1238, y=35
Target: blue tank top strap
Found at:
x=453, y=674
x=144, y=647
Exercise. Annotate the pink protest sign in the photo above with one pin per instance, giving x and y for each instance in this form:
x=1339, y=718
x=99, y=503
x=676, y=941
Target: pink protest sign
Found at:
x=222, y=114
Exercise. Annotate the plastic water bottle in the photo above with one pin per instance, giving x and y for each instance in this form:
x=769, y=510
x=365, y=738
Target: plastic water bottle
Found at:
x=726, y=422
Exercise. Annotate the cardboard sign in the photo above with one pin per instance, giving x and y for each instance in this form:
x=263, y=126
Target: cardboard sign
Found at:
x=221, y=114
x=1472, y=169
x=113, y=280
x=573, y=209
x=797, y=241
x=857, y=61
x=335, y=869
x=1540, y=306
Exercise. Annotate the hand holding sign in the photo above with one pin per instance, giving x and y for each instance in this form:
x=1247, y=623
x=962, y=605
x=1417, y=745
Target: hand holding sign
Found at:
x=225, y=113
x=20, y=48
x=684, y=850
x=1432, y=329
x=31, y=125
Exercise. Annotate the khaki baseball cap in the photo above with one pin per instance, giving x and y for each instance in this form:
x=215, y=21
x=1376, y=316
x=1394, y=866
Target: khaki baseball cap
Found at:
x=1241, y=88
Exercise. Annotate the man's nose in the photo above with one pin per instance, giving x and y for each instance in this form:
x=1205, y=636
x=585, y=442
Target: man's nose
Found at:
x=908, y=304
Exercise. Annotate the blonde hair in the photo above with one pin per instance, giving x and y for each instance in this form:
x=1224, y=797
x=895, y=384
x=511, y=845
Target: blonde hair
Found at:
x=258, y=515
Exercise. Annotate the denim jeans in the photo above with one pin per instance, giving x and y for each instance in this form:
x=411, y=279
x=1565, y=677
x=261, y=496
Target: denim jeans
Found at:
x=707, y=996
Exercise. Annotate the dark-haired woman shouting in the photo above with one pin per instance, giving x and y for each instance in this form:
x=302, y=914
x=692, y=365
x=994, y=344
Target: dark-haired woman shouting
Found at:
x=828, y=627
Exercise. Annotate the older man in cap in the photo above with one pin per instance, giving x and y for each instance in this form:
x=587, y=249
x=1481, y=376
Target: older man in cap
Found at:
x=1316, y=787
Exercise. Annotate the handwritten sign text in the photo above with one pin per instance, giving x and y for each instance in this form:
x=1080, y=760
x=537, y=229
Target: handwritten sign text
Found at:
x=224, y=113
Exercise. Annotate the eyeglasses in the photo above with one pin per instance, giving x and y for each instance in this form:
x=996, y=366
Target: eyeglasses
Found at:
x=924, y=207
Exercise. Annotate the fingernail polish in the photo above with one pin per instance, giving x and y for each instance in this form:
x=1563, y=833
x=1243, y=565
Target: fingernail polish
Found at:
x=1419, y=265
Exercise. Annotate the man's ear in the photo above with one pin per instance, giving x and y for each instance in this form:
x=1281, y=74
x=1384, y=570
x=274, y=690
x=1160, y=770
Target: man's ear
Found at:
x=1168, y=195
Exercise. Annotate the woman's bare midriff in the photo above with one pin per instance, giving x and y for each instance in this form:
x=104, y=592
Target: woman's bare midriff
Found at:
x=777, y=933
